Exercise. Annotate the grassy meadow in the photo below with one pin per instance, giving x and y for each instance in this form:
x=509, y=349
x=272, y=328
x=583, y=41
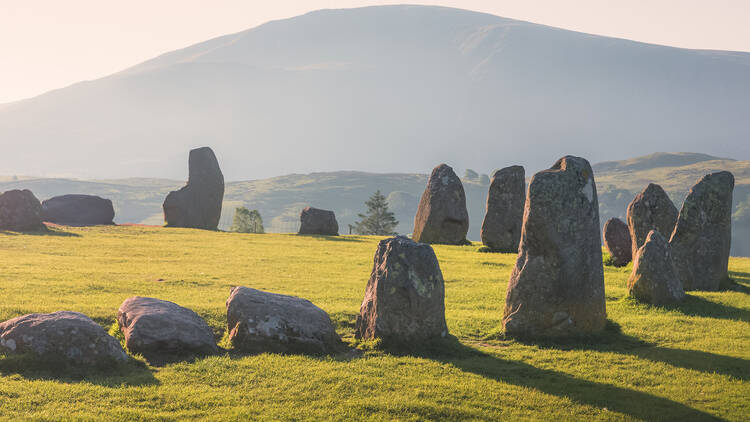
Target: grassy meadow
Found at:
x=689, y=362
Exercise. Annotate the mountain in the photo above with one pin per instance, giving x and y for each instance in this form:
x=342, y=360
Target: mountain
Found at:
x=385, y=89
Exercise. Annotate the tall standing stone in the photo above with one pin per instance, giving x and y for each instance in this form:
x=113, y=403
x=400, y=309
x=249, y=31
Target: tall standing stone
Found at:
x=20, y=211
x=442, y=216
x=650, y=210
x=197, y=204
x=617, y=241
x=703, y=235
x=501, y=228
x=557, y=285
x=654, y=278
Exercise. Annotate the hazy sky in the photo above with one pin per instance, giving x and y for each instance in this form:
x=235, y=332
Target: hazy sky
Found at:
x=50, y=44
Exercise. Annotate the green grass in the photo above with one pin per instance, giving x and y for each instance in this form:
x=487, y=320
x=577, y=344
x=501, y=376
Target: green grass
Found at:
x=688, y=362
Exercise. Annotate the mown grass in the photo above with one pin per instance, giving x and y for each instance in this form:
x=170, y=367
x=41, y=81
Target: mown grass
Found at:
x=687, y=362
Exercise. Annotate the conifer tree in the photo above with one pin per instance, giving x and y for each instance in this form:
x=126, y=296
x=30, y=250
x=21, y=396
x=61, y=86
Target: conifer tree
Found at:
x=378, y=220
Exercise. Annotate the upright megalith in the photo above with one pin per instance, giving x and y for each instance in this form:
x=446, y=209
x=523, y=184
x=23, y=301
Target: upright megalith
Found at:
x=650, y=210
x=702, y=236
x=501, y=228
x=317, y=221
x=557, y=285
x=404, y=298
x=617, y=241
x=20, y=211
x=78, y=210
x=442, y=216
x=654, y=278
x=198, y=204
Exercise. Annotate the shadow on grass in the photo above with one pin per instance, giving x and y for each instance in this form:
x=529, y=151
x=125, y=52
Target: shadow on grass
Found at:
x=738, y=282
x=333, y=238
x=698, y=306
x=48, y=232
x=130, y=373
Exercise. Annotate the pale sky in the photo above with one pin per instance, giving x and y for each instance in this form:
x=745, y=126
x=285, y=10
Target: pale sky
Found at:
x=48, y=44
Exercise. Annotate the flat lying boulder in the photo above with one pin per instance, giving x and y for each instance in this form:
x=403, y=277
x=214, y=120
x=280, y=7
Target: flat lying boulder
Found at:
x=404, y=299
x=650, y=210
x=703, y=234
x=442, y=216
x=654, y=279
x=261, y=322
x=78, y=210
x=20, y=211
x=65, y=336
x=158, y=329
x=198, y=204
x=557, y=285
x=617, y=241
x=501, y=228
x=317, y=221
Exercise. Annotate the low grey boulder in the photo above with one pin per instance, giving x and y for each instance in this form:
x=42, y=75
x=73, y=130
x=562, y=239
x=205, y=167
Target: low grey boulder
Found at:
x=404, y=301
x=20, y=211
x=654, y=278
x=78, y=210
x=617, y=241
x=317, y=221
x=65, y=336
x=260, y=322
x=158, y=329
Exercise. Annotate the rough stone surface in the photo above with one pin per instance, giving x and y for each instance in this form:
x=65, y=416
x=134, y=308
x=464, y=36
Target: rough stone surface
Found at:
x=557, y=285
x=267, y=322
x=442, y=216
x=617, y=240
x=157, y=328
x=654, y=279
x=78, y=210
x=650, y=210
x=501, y=228
x=703, y=234
x=197, y=204
x=317, y=221
x=20, y=211
x=66, y=336
x=405, y=297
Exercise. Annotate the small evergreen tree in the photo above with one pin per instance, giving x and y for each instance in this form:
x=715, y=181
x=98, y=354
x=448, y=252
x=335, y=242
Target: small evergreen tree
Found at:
x=378, y=220
x=246, y=221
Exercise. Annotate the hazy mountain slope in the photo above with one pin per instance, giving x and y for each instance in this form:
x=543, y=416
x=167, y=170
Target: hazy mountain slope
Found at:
x=386, y=89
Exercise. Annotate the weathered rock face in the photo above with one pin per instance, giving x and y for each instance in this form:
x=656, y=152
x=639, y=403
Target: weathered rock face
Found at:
x=158, y=328
x=703, y=234
x=66, y=336
x=267, y=322
x=442, y=216
x=654, y=279
x=405, y=297
x=20, y=211
x=557, y=285
x=197, y=204
x=650, y=210
x=501, y=228
x=317, y=221
x=617, y=241
x=78, y=210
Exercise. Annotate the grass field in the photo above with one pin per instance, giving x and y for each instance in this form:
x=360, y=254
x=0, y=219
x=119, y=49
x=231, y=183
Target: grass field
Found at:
x=686, y=363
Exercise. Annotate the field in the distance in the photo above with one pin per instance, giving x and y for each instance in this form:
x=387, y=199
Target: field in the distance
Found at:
x=690, y=362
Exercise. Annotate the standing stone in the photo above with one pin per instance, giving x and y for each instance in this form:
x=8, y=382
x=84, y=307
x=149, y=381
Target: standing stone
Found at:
x=650, y=210
x=261, y=322
x=442, y=216
x=703, y=234
x=198, y=204
x=317, y=221
x=20, y=211
x=617, y=241
x=404, y=299
x=501, y=228
x=654, y=279
x=63, y=336
x=557, y=285
x=157, y=329
x=78, y=210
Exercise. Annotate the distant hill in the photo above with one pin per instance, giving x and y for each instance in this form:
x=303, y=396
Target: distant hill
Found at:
x=280, y=199
x=385, y=89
